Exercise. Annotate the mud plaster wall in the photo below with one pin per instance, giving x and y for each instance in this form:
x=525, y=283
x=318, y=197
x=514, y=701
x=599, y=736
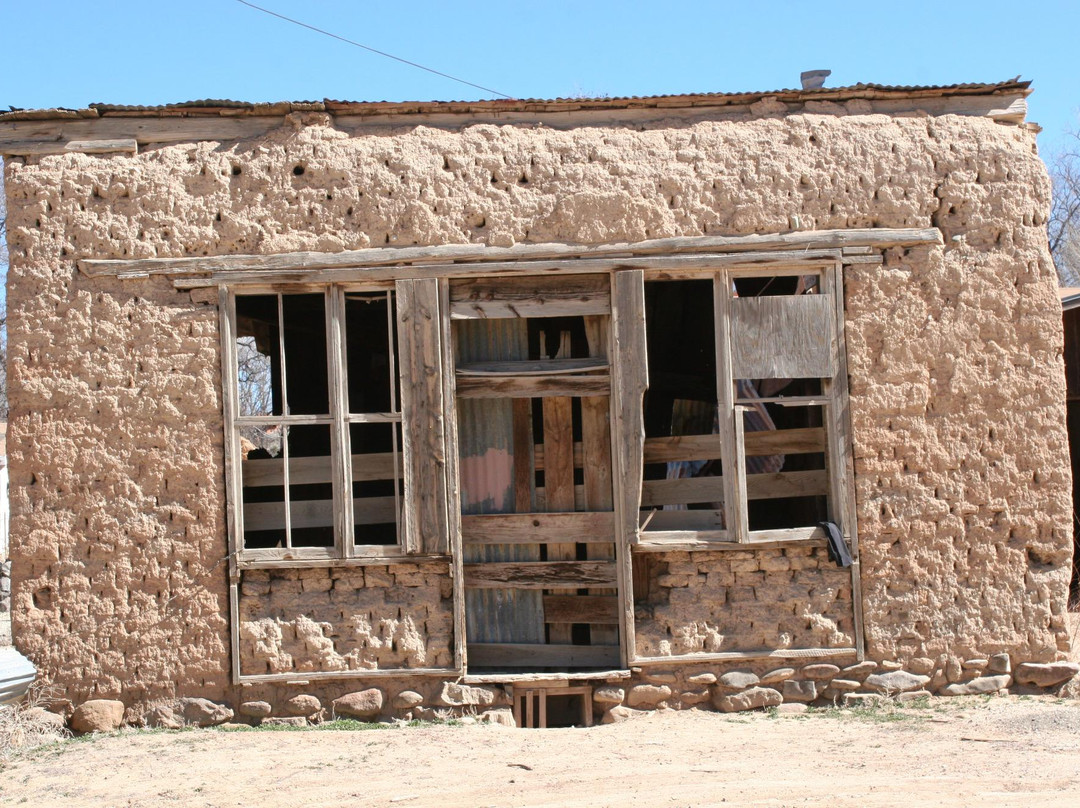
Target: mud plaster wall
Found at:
x=115, y=436
x=398, y=616
x=744, y=601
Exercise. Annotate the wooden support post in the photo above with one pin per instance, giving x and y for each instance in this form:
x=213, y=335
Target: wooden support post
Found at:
x=596, y=464
x=559, y=476
x=630, y=378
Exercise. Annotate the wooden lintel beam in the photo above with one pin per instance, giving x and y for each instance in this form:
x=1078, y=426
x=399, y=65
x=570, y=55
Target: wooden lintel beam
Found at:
x=433, y=260
x=540, y=574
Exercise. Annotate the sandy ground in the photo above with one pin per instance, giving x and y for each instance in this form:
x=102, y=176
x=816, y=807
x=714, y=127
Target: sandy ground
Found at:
x=958, y=752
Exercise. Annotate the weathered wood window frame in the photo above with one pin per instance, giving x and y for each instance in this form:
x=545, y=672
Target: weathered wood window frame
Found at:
x=731, y=435
x=414, y=359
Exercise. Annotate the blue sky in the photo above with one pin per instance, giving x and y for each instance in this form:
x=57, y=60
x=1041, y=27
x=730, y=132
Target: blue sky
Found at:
x=64, y=53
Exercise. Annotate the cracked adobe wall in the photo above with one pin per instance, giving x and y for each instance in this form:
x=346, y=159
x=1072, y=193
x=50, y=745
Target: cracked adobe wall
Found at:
x=956, y=379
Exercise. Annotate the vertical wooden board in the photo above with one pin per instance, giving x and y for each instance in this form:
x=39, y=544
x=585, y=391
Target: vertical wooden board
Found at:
x=423, y=425
x=559, y=486
x=630, y=378
x=782, y=336
x=524, y=473
x=839, y=455
x=453, y=497
x=596, y=464
x=730, y=420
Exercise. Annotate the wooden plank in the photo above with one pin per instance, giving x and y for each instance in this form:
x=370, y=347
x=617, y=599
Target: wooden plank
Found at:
x=453, y=489
x=545, y=367
x=487, y=298
x=540, y=574
x=307, y=470
x=655, y=520
x=782, y=337
x=423, y=416
x=758, y=443
x=316, y=513
x=559, y=473
x=532, y=386
x=537, y=528
x=522, y=440
x=738, y=656
x=538, y=455
x=692, y=490
x=630, y=379
x=597, y=469
x=523, y=655
x=582, y=609
x=552, y=680
x=730, y=419
x=373, y=555
x=113, y=146
x=518, y=255
x=306, y=677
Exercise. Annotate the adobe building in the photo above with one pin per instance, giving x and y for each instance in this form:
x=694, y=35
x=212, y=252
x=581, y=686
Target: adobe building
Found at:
x=570, y=406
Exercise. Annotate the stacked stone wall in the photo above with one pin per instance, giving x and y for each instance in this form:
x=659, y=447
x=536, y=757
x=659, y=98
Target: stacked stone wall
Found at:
x=346, y=619
x=744, y=601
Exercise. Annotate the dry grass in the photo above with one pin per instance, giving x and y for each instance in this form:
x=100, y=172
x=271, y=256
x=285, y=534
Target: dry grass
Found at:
x=26, y=725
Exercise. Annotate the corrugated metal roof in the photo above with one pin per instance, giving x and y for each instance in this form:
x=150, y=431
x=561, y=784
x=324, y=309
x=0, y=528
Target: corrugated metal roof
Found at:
x=212, y=106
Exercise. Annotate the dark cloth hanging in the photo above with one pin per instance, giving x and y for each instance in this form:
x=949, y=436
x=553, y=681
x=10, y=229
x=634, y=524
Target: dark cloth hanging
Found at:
x=838, y=549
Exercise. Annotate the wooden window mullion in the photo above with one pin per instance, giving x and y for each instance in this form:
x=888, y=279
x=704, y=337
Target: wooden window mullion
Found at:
x=730, y=417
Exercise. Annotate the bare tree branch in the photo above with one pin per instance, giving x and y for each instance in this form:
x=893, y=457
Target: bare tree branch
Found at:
x=1063, y=228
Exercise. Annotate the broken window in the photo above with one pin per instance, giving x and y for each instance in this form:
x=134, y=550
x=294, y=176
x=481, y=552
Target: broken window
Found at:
x=317, y=422
x=741, y=367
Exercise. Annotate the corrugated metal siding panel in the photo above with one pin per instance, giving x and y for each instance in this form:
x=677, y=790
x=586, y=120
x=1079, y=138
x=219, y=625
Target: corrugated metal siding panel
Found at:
x=17, y=673
x=485, y=438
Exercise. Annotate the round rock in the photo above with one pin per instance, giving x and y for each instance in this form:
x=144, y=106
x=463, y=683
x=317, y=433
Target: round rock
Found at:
x=98, y=715
x=407, y=699
x=256, y=709
x=303, y=705
x=361, y=704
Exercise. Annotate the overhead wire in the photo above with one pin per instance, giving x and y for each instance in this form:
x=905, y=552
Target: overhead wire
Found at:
x=373, y=50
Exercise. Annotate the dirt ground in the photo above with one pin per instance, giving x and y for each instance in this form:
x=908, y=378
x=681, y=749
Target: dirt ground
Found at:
x=955, y=752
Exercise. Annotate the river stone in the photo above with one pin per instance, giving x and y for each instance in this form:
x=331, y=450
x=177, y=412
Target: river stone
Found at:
x=751, y=699
x=163, y=716
x=694, y=696
x=895, y=682
x=647, y=695
x=983, y=684
x=819, y=671
x=457, y=695
x=1046, y=674
x=800, y=690
x=256, y=709
x=888, y=665
x=620, y=713
x=845, y=684
x=920, y=665
x=609, y=695
x=98, y=715
x=778, y=675
x=738, y=680
x=407, y=699
x=499, y=715
x=860, y=670
x=204, y=713
x=304, y=705
x=974, y=664
x=361, y=704
x=702, y=679
x=999, y=663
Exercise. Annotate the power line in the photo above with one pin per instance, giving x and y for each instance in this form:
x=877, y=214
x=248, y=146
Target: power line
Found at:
x=373, y=50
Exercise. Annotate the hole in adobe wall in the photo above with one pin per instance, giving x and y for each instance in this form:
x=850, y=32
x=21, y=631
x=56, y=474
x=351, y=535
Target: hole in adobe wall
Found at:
x=237, y=171
x=298, y=171
x=43, y=598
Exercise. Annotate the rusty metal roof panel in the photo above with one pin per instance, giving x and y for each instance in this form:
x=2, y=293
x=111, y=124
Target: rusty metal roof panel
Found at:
x=231, y=107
